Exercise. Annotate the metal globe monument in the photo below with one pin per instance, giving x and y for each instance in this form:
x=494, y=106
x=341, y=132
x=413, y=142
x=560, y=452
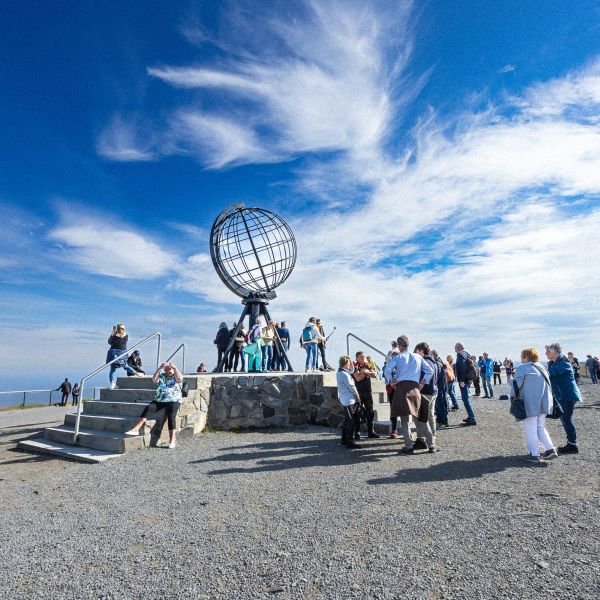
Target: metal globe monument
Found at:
x=253, y=250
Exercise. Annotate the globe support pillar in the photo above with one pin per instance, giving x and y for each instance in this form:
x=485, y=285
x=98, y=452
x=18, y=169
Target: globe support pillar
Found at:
x=254, y=307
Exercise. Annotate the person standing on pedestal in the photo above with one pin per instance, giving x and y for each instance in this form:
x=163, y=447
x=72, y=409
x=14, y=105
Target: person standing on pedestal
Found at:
x=309, y=341
x=221, y=341
x=322, y=343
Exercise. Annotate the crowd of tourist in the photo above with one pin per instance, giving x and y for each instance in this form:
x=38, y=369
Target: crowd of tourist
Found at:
x=265, y=346
x=421, y=388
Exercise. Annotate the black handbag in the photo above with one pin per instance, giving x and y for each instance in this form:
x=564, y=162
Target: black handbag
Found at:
x=517, y=405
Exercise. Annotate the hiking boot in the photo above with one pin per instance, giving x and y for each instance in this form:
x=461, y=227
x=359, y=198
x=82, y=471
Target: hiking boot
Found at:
x=406, y=450
x=394, y=435
x=469, y=423
x=419, y=445
x=550, y=454
x=568, y=449
x=455, y=408
x=353, y=445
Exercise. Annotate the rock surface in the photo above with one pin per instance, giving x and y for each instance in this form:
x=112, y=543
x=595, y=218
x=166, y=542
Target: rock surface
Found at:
x=289, y=513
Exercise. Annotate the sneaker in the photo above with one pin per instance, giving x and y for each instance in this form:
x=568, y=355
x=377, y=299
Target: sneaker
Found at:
x=172, y=445
x=353, y=445
x=419, y=445
x=394, y=435
x=455, y=408
x=537, y=460
x=433, y=449
x=140, y=375
x=406, y=450
x=550, y=454
x=468, y=423
x=373, y=435
x=113, y=385
x=132, y=432
x=442, y=425
x=568, y=449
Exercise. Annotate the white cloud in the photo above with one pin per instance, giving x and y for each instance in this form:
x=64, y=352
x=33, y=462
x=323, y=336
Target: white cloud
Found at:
x=105, y=247
x=125, y=141
x=507, y=68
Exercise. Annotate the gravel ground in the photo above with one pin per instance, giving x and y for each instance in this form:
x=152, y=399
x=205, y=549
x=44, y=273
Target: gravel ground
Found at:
x=291, y=514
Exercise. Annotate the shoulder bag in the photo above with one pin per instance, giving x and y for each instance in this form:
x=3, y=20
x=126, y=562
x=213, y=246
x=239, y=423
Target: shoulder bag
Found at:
x=557, y=410
x=517, y=405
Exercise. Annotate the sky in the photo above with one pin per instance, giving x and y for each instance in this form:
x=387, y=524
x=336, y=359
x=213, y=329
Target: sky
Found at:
x=438, y=162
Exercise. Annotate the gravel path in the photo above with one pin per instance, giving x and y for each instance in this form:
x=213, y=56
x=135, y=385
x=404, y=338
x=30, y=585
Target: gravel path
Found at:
x=291, y=514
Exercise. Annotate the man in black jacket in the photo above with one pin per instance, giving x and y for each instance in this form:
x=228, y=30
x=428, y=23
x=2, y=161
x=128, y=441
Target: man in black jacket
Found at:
x=65, y=388
x=466, y=372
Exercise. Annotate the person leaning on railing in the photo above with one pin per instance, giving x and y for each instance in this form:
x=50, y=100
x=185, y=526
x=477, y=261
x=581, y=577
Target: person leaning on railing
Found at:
x=118, y=347
x=167, y=401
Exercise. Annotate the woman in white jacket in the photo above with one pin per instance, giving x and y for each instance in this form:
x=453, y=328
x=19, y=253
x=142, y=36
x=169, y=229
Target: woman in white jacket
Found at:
x=533, y=383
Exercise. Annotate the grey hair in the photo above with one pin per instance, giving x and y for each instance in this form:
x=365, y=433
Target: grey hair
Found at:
x=556, y=347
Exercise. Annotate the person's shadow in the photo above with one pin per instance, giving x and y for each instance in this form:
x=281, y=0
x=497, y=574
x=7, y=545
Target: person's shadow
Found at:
x=323, y=451
x=452, y=470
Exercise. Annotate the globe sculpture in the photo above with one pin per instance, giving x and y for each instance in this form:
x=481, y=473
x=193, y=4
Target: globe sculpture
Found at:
x=253, y=251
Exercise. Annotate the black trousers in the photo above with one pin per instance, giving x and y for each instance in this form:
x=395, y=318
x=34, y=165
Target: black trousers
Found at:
x=162, y=409
x=476, y=384
x=498, y=377
x=348, y=425
x=235, y=356
x=367, y=402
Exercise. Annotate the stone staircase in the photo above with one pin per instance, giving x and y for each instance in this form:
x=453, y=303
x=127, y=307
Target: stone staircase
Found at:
x=104, y=422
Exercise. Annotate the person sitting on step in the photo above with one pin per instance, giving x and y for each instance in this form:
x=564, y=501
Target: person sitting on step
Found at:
x=167, y=401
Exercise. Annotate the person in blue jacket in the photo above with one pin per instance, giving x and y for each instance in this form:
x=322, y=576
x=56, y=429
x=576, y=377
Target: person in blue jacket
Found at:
x=486, y=369
x=565, y=391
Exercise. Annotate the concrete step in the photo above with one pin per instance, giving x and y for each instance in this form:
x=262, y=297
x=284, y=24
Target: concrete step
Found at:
x=102, y=422
x=43, y=446
x=107, y=441
x=145, y=383
x=135, y=395
x=115, y=409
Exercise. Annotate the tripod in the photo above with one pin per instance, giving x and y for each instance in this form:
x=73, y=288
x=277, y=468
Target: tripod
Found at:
x=255, y=305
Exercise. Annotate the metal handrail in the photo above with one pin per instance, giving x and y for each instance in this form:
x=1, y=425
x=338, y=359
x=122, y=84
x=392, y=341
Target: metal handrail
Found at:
x=25, y=392
x=182, y=345
x=362, y=342
x=114, y=360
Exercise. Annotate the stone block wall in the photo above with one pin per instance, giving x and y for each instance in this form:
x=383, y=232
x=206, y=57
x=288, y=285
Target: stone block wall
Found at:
x=272, y=400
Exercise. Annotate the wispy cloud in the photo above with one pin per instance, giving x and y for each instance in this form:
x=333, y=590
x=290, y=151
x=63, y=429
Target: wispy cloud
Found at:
x=104, y=246
x=126, y=141
x=507, y=68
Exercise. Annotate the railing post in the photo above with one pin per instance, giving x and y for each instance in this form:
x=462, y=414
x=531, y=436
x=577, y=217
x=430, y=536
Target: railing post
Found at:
x=50, y=399
x=158, y=353
x=183, y=359
x=24, y=396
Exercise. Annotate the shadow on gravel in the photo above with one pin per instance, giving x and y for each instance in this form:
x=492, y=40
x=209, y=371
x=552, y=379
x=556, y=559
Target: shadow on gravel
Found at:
x=452, y=470
x=278, y=456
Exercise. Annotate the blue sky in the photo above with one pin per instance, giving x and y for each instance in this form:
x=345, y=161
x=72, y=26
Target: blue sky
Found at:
x=438, y=161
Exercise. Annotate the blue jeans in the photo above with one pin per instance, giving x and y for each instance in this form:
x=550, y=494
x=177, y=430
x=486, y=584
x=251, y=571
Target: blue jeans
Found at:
x=487, y=385
x=267, y=358
x=452, y=394
x=464, y=393
x=441, y=408
x=567, y=420
x=112, y=376
x=311, y=355
x=594, y=375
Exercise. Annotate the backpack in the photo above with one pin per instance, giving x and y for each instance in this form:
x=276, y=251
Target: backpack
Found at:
x=472, y=370
x=254, y=334
x=308, y=335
